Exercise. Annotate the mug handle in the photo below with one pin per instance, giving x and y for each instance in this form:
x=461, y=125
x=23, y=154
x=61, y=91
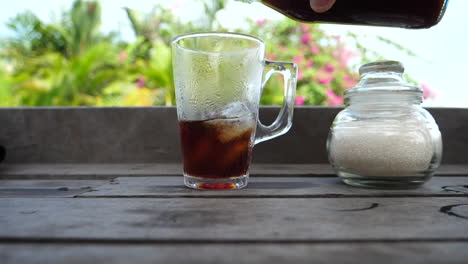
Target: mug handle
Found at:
x=284, y=119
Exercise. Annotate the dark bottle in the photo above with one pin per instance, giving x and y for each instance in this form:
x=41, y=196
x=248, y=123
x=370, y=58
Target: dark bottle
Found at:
x=390, y=13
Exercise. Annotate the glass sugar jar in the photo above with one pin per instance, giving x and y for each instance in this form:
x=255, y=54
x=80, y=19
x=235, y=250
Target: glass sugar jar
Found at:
x=384, y=138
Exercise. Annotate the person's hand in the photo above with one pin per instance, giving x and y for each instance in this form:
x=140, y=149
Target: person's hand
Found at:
x=321, y=6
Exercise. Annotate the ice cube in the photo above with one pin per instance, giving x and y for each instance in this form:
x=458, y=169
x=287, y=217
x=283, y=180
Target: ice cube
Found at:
x=229, y=111
x=235, y=109
x=237, y=154
x=232, y=128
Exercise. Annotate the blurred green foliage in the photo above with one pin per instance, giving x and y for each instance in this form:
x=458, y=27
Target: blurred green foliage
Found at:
x=70, y=62
x=324, y=61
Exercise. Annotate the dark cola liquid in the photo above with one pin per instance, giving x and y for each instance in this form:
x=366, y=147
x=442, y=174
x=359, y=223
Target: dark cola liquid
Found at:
x=394, y=13
x=217, y=148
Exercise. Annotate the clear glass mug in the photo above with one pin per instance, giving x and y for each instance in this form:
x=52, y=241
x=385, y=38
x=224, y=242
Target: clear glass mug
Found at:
x=219, y=78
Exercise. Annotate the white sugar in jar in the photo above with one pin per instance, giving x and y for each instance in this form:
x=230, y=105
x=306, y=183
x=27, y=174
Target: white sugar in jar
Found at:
x=384, y=138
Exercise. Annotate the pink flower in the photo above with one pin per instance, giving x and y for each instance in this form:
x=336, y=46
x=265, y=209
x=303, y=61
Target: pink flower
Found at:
x=310, y=63
x=260, y=22
x=300, y=75
x=428, y=92
x=298, y=59
x=314, y=49
x=304, y=27
x=346, y=57
x=141, y=82
x=325, y=80
x=271, y=56
x=329, y=68
x=122, y=56
x=306, y=37
x=343, y=55
x=300, y=100
x=349, y=81
x=324, y=77
x=176, y=5
x=332, y=98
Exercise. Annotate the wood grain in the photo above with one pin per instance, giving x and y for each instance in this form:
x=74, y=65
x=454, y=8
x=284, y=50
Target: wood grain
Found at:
x=274, y=187
x=109, y=171
x=150, y=135
x=225, y=219
x=123, y=168
x=415, y=253
x=46, y=188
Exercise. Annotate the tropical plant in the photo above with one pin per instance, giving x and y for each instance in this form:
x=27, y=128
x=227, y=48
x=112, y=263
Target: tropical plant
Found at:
x=69, y=61
x=154, y=31
x=324, y=61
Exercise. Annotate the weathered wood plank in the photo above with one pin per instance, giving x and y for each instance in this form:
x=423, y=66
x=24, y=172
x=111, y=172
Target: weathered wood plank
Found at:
x=261, y=187
x=224, y=219
x=89, y=134
x=415, y=253
x=150, y=134
x=56, y=183
x=110, y=171
x=86, y=171
x=272, y=187
x=46, y=188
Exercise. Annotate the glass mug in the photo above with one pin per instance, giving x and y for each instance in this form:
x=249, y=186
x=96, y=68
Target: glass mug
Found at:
x=219, y=78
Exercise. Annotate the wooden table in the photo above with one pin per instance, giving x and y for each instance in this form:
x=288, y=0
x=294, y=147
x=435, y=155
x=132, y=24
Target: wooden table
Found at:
x=103, y=207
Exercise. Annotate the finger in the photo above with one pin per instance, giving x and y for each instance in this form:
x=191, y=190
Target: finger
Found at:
x=321, y=6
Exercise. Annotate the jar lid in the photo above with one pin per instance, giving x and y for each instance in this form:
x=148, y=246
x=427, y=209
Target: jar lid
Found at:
x=382, y=66
x=383, y=76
